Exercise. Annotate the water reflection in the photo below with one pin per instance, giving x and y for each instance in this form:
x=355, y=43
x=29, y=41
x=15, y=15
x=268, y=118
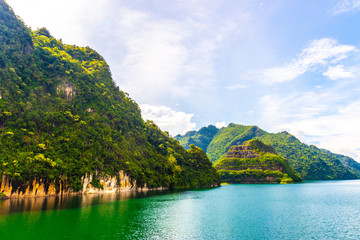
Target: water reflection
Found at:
x=324, y=210
x=16, y=205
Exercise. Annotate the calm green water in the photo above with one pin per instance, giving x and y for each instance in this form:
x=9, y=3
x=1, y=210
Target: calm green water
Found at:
x=316, y=210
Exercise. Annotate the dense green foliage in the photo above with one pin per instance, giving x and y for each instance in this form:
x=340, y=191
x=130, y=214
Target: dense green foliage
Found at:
x=61, y=116
x=260, y=147
x=268, y=167
x=309, y=161
x=349, y=163
x=230, y=136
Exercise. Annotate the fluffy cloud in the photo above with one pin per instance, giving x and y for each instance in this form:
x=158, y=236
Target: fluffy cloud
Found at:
x=344, y=6
x=318, y=53
x=63, y=19
x=325, y=119
x=337, y=132
x=168, y=119
x=339, y=72
x=220, y=124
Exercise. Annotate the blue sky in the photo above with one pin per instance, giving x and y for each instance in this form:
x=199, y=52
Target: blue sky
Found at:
x=280, y=64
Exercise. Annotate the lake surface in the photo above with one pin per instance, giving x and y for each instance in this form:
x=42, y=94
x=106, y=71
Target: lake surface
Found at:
x=313, y=210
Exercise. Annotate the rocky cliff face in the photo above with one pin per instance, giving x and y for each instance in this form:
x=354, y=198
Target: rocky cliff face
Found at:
x=40, y=187
x=68, y=89
x=241, y=151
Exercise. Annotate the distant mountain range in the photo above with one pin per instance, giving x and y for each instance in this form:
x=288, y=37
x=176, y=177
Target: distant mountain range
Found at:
x=310, y=162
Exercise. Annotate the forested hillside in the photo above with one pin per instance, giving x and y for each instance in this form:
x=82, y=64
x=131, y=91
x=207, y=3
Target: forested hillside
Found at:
x=309, y=161
x=201, y=138
x=255, y=162
x=61, y=116
x=349, y=163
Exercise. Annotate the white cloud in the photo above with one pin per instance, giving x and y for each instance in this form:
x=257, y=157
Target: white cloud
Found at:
x=168, y=58
x=319, y=52
x=339, y=72
x=168, y=119
x=344, y=6
x=325, y=119
x=337, y=132
x=220, y=124
x=63, y=19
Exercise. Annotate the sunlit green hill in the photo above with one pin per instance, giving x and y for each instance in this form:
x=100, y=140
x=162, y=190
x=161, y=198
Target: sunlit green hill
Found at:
x=255, y=162
x=61, y=117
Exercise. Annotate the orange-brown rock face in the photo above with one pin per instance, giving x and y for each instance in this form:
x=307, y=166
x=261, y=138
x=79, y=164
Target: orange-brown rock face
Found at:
x=36, y=188
x=119, y=183
x=40, y=187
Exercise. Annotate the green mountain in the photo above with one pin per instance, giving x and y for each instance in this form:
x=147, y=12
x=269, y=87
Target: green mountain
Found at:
x=255, y=162
x=349, y=163
x=310, y=162
x=62, y=117
x=201, y=138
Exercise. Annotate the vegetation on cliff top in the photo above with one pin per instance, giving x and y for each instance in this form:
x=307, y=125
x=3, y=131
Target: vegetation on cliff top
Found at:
x=62, y=116
x=310, y=162
x=255, y=162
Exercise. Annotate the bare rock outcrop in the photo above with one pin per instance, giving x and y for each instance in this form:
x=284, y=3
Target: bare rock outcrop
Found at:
x=241, y=151
x=68, y=89
x=42, y=187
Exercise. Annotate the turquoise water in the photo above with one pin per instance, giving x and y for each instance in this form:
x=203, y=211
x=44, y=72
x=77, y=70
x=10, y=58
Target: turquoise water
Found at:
x=314, y=210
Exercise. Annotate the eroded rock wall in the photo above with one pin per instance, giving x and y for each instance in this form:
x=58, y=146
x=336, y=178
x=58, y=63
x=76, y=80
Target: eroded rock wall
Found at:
x=41, y=187
x=68, y=88
x=119, y=183
x=241, y=151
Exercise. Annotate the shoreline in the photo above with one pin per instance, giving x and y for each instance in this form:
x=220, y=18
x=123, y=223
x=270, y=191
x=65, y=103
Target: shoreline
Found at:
x=66, y=194
x=103, y=192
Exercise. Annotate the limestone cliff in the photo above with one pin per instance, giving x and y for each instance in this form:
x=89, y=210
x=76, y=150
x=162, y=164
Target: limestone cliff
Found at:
x=68, y=89
x=255, y=162
x=40, y=187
